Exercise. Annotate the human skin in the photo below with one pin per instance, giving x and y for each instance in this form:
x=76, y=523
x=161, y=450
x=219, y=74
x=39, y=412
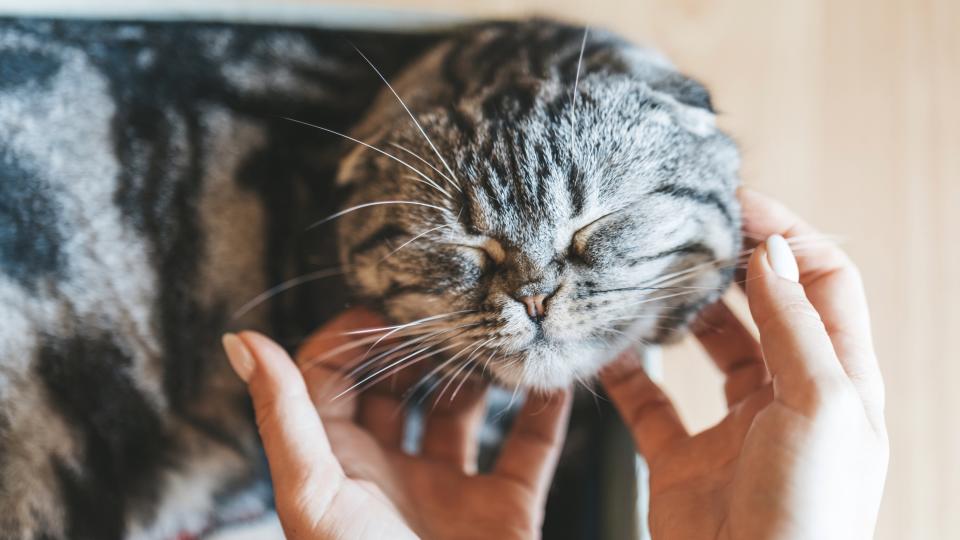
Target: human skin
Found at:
x=803, y=450
x=338, y=468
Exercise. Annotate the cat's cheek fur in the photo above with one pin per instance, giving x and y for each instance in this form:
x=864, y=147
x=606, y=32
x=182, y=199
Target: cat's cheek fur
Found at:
x=551, y=367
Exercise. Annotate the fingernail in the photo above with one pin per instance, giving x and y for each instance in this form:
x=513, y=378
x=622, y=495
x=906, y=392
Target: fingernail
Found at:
x=240, y=358
x=781, y=259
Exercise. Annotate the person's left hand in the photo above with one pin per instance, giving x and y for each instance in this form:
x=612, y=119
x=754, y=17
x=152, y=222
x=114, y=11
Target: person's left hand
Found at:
x=338, y=468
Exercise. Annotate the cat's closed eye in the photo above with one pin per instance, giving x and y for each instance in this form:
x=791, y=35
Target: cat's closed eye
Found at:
x=486, y=253
x=494, y=250
x=577, y=250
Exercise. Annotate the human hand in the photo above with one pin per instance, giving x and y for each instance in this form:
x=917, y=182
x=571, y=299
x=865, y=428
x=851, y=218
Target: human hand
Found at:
x=337, y=465
x=803, y=455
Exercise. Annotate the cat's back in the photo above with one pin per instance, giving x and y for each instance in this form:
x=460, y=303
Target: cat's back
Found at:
x=149, y=186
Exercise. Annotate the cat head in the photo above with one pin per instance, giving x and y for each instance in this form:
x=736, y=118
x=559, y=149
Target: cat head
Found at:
x=538, y=202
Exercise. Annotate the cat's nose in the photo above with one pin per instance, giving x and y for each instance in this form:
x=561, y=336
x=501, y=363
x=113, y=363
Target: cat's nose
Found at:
x=536, y=309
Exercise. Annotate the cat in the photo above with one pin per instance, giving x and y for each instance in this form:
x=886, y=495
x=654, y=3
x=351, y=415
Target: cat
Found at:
x=523, y=199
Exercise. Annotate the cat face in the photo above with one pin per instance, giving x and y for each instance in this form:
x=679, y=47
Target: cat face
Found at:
x=529, y=235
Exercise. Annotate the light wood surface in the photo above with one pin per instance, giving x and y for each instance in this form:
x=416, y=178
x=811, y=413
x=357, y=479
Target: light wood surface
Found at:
x=848, y=111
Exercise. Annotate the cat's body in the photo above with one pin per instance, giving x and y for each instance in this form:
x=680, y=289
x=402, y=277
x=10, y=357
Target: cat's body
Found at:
x=150, y=186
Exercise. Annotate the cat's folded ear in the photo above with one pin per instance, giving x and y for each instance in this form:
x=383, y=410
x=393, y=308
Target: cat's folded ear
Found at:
x=348, y=171
x=690, y=101
x=683, y=89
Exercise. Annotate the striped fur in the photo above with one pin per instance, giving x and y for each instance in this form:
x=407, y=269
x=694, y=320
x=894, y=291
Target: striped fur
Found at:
x=586, y=198
x=150, y=185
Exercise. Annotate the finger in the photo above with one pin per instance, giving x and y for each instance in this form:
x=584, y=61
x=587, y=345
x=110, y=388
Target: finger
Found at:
x=833, y=286
x=733, y=349
x=530, y=453
x=763, y=217
x=725, y=441
x=383, y=406
x=796, y=347
x=452, y=427
x=382, y=416
x=302, y=465
x=645, y=409
x=327, y=357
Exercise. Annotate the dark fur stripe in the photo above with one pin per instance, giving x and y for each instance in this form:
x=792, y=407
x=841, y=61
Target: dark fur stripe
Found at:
x=387, y=233
x=122, y=435
x=577, y=189
x=707, y=198
x=30, y=242
x=692, y=248
x=21, y=67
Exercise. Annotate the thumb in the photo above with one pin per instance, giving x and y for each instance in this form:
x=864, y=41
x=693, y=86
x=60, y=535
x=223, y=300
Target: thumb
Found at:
x=303, y=468
x=796, y=347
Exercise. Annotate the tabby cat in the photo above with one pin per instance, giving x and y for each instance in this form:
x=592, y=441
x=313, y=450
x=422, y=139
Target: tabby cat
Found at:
x=523, y=198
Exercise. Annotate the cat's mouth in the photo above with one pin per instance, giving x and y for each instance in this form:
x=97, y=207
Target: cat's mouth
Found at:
x=544, y=363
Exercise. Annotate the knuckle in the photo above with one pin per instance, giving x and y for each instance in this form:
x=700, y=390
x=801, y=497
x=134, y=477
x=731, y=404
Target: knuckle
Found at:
x=657, y=403
x=790, y=317
x=851, y=272
x=536, y=438
x=799, y=307
x=829, y=394
x=266, y=416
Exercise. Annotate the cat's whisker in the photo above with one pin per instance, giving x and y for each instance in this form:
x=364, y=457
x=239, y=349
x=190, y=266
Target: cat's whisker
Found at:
x=724, y=264
x=800, y=242
x=469, y=360
x=799, y=237
x=635, y=317
x=371, y=147
x=509, y=406
x=424, y=161
x=432, y=374
x=712, y=265
x=588, y=387
x=435, y=381
x=612, y=330
x=424, y=379
x=417, y=334
x=285, y=286
x=430, y=184
x=576, y=82
x=466, y=377
x=491, y=356
x=362, y=364
x=452, y=376
x=404, y=325
x=414, y=119
x=352, y=344
x=406, y=361
x=666, y=278
x=384, y=356
x=416, y=323
x=643, y=288
x=657, y=298
x=435, y=338
x=374, y=203
x=412, y=240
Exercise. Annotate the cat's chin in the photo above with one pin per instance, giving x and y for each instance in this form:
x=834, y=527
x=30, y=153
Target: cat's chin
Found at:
x=549, y=366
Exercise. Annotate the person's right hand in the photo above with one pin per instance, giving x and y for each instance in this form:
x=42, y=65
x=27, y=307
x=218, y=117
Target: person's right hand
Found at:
x=337, y=461
x=803, y=451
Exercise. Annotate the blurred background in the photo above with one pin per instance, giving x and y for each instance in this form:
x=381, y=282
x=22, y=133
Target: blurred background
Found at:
x=849, y=112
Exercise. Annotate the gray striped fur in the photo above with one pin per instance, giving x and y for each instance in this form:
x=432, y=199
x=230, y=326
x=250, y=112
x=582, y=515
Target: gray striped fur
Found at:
x=150, y=186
